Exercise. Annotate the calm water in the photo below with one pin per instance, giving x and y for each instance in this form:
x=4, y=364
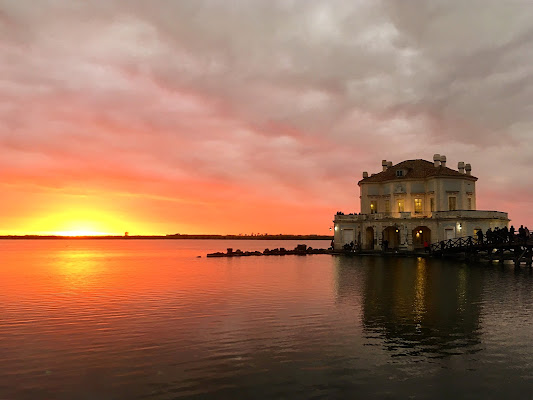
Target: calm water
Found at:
x=147, y=319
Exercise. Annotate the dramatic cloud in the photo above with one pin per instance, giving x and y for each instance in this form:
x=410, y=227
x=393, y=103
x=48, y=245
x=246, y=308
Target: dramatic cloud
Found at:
x=235, y=116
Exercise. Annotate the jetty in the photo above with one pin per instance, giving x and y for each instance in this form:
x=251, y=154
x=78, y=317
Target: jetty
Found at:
x=299, y=250
x=517, y=249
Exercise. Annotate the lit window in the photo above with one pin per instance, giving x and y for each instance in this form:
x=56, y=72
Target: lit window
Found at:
x=373, y=207
x=418, y=206
x=401, y=206
x=452, y=203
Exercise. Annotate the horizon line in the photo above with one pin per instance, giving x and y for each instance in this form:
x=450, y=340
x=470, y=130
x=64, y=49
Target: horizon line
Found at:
x=172, y=235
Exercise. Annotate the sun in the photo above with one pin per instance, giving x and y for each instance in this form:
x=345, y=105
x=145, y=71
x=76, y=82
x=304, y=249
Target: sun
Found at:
x=80, y=232
x=79, y=222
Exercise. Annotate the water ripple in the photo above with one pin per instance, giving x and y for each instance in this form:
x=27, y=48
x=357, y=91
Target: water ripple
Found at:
x=116, y=319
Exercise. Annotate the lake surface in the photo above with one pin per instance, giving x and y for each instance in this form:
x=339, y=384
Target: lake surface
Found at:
x=147, y=319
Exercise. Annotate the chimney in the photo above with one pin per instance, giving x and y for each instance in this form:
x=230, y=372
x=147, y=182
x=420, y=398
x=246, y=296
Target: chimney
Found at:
x=468, y=169
x=443, y=161
x=384, y=164
x=389, y=164
x=365, y=175
x=461, y=167
x=436, y=160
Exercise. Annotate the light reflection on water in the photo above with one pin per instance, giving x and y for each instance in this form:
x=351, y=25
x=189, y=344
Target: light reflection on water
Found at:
x=147, y=319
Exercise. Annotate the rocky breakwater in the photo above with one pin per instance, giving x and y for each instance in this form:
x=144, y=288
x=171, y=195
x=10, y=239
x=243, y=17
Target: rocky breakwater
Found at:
x=300, y=250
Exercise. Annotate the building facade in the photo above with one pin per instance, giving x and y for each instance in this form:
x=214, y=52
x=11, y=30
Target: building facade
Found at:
x=413, y=202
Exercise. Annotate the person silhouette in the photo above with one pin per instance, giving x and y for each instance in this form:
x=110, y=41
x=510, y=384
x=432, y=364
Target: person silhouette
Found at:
x=480, y=236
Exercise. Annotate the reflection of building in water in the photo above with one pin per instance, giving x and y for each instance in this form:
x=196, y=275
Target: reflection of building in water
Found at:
x=437, y=307
x=414, y=202
x=414, y=306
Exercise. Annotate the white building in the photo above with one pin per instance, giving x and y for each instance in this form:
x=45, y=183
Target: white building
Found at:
x=413, y=202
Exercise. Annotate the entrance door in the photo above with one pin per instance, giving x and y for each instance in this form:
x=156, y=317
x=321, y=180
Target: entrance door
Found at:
x=450, y=234
x=421, y=234
x=370, y=238
x=392, y=235
x=347, y=236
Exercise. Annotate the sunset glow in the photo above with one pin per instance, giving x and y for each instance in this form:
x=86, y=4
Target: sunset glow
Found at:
x=77, y=222
x=72, y=225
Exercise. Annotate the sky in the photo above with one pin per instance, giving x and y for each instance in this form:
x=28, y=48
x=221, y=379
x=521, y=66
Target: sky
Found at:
x=223, y=116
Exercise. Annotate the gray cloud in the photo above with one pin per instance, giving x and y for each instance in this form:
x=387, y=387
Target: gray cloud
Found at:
x=289, y=98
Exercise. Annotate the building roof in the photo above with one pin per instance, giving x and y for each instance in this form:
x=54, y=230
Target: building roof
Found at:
x=415, y=169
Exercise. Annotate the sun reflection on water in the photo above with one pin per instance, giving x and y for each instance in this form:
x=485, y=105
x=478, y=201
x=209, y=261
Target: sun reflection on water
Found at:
x=79, y=268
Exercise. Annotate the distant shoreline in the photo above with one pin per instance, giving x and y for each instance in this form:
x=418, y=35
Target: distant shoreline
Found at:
x=169, y=237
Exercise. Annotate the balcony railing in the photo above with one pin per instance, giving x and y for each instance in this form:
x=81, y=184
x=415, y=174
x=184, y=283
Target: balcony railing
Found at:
x=379, y=216
x=458, y=214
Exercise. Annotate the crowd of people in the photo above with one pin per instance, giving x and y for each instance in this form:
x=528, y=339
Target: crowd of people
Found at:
x=351, y=247
x=504, y=235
